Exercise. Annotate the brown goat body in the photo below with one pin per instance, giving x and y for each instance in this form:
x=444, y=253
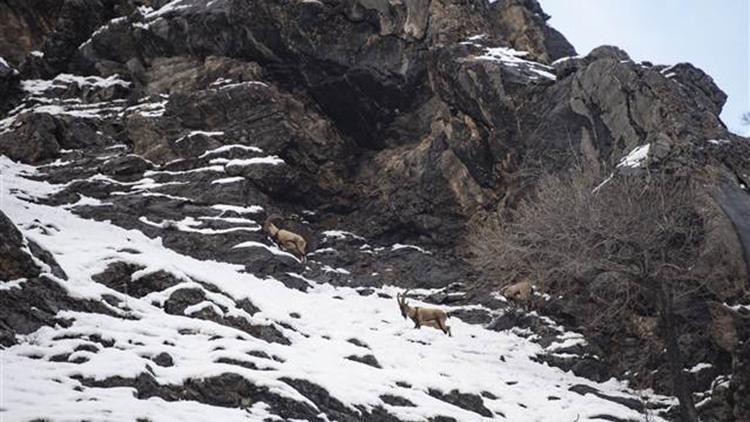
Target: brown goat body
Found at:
x=290, y=241
x=519, y=292
x=429, y=317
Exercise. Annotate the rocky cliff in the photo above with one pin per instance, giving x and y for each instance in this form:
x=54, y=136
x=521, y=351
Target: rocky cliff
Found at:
x=145, y=142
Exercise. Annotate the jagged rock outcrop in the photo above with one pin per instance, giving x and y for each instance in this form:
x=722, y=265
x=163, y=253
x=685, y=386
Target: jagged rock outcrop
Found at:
x=381, y=129
x=15, y=260
x=9, y=89
x=41, y=36
x=29, y=275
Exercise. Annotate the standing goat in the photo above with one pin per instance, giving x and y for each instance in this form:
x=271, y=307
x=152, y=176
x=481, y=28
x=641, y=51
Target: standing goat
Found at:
x=430, y=317
x=520, y=293
x=288, y=240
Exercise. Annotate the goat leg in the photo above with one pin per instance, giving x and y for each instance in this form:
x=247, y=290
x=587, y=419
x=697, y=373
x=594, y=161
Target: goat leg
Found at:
x=441, y=325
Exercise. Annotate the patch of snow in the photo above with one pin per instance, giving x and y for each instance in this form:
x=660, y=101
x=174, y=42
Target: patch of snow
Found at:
x=271, y=160
x=220, y=82
x=668, y=69
x=512, y=58
x=88, y=201
x=233, y=220
x=273, y=249
x=253, y=209
x=145, y=10
x=192, y=309
x=12, y=284
x=321, y=251
x=398, y=246
x=499, y=296
x=226, y=148
x=217, y=169
x=568, y=339
x=199, y=133
x=699, y=367
x=149, y=109
x=718, y=141
x=172, y=6
x=604, y=182
x=329, y=269
x=101, y=29
x=636, y=157
x=245, y=83
x=340, y=234
x=227, y=180
x=565, y=59
x=738, y=307
x=191, y=225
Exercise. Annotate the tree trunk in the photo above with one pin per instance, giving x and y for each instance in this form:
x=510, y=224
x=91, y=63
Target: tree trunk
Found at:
x=680, y=388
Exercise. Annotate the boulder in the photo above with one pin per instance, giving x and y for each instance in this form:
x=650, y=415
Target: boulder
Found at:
x=16, y=260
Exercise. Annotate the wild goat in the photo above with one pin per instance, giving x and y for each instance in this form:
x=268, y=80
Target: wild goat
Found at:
x=288, y=240
x=430, y=317
x=519, y=292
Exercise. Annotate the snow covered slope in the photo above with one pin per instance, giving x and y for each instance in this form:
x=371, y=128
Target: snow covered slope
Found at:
x=338, y=355
x=156, y=136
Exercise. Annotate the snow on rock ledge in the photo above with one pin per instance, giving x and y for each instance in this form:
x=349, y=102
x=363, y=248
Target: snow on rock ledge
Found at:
x=334, y=332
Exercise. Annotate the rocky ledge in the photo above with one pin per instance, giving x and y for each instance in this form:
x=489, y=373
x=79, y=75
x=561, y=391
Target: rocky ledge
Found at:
x=145, y=142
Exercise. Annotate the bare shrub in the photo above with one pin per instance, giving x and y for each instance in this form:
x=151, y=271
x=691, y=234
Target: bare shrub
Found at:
x=625, y=247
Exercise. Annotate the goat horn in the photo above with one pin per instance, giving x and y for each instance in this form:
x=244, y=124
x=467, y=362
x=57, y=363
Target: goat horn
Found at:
x=402, y=297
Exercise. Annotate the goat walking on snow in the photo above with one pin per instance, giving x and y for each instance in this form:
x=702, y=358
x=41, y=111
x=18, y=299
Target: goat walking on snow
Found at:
x=430, y=317
x=290, y=241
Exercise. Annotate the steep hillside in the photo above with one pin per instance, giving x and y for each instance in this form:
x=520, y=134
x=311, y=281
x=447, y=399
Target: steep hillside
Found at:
x=144, y=143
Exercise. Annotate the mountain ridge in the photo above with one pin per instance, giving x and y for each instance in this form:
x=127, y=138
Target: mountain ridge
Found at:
x=385, y=130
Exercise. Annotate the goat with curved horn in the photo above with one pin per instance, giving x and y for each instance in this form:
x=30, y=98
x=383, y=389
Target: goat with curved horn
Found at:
x=429, y=317
x=290, y=241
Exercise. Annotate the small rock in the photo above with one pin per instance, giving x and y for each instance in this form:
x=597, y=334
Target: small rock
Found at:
x=163, y=359
x=396, y=400
x=366, y=359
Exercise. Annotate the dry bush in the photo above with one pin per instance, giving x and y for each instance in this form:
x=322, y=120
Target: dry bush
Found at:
x=638, y=230
x=625, y=247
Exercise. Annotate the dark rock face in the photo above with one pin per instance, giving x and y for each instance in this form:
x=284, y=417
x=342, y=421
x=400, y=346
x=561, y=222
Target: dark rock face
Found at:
x=26, y=23
x=183, y=298
x=9, y=88
x=148, y=283
x=366, y=359
x=163, y=359
x=698, y=83
x=33, y=269
x=522, y=23
x=610, y=105
x=333, y=407
x=467, y=401
x=55, y=28
x=15, y=260
x=125, y=166
x=38, y=140
x=584, y=389
x=741, y=381
x=226, y=390
x=394, y=123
